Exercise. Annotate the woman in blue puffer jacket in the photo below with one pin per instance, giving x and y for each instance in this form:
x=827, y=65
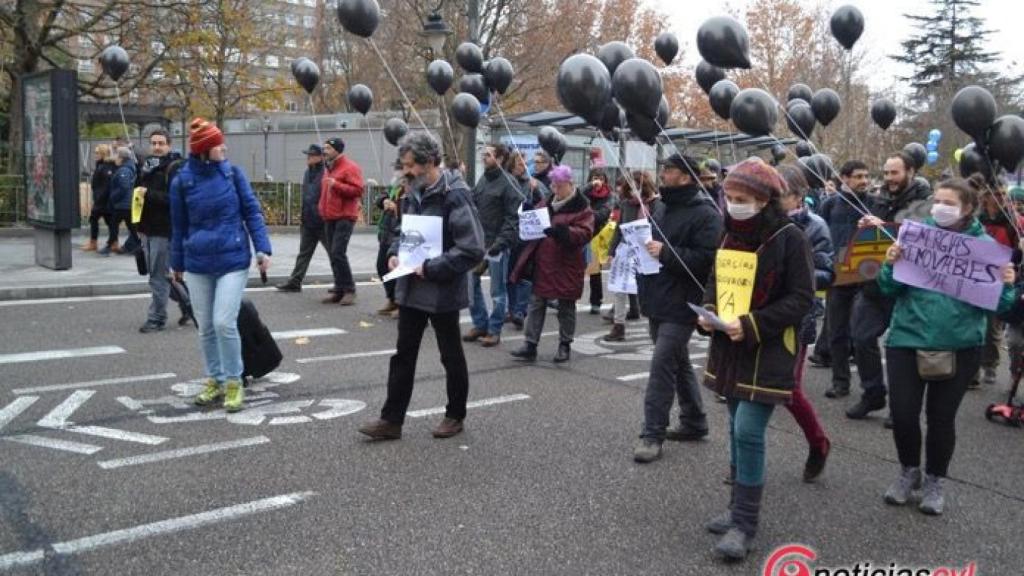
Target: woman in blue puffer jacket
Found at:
x=214, y=216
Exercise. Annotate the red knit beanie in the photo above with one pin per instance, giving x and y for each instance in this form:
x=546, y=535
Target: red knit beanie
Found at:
x=756, y=178
x=203, y=136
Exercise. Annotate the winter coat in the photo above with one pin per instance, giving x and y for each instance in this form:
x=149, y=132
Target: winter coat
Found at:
x=555, y=263
x=629, y=211
x=100, y=185
x=214, y=216
x=312, y=183
x=121, y=186
x=839, y=214
x=601, y=202
x=341, y=200
x=157, y=174
x=1000, y=228
x=760, y=368
x=929, y=320
x=497, y=201
x=914, y=203
x=817, y=233
x=689, y=223
x=445, y=285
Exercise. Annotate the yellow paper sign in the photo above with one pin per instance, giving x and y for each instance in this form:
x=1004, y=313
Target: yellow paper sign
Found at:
x=734, y=280
x=138, y=199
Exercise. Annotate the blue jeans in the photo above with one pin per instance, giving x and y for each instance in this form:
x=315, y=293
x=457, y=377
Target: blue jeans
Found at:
x=519, y=298
x=748, y=422
x=498, y=270
x=215, y=302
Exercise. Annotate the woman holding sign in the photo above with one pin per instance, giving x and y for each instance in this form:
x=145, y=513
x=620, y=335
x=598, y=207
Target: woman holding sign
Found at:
x=761, y=289
x=934, y=344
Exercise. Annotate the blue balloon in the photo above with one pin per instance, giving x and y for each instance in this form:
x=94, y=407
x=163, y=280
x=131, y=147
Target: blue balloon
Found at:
x=935, y=134
x=932, y=146
x=933, y=157
x=485, y=107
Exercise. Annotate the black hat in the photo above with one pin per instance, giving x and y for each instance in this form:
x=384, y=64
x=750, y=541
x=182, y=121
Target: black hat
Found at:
x=313, y=150
x=337, y=143
x=687, y=164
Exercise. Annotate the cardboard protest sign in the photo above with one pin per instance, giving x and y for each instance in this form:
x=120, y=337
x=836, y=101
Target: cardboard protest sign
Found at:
x=532, y=224
x=735, y=271
x=637, y=234
x=960, y=266
x=422, y=238
x=861, y=259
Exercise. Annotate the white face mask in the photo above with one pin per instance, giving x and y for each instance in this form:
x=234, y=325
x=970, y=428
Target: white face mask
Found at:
x=945, y=216
x=742, y=211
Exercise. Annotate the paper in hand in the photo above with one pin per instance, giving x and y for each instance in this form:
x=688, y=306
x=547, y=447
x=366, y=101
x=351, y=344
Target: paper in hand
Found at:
x=712, y=318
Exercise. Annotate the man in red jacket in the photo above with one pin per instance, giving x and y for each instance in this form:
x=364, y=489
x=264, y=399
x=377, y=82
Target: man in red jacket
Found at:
x=340, y=193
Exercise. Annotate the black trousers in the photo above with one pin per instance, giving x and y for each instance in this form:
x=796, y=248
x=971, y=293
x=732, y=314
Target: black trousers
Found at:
x=907, y=394
x=94, y=225
x=402, y=372
x=382, y=269
x=308, y=239
x=596, y=289
x=339, y=232
x=133, y=242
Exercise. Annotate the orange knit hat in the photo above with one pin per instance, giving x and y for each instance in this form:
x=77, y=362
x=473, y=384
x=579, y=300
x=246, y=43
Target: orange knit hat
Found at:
x=203, y=136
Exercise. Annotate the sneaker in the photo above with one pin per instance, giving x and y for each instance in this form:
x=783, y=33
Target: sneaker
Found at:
x=233, y=396
x=382, y=430
x=150, y=327
x=210, y=394
x=647, y=451
x=685, y=433
x=474, y=334
x=989, y=377
x=447, y=428
x=526, y=353
x=932, y=500
x=734, y=545
x=815, y=464
x=900, y=490
x=347, y=299
x=490, y=341
x=866, y=406
x=289, y=287
x=836, y=392
x=720, y=524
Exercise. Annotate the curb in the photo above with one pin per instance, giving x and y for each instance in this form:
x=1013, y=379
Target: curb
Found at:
x=142, y=287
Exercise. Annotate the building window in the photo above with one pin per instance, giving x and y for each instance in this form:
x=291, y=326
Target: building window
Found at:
x=291, y=107
x=272, y=61
x=86, y=67
x=290, y=42
x=291, y=19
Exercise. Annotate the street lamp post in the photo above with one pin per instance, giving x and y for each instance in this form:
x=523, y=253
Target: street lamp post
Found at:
x=266, y=149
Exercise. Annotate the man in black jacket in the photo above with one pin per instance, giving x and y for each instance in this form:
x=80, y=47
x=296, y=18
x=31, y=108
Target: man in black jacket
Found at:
x=685, y=240
x=311, y=231
x=158, y=170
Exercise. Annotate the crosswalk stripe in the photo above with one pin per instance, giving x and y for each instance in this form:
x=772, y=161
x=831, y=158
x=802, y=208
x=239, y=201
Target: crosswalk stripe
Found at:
x=345, y=356
x=58, y=417
x=60, y=354
x=474, y=404
x=94, y=383
x=311, y=333
x=115, y=434
x=181, y=453
x=54, y=443
x=11, y=411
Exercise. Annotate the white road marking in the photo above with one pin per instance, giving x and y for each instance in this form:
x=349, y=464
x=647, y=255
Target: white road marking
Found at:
x=311, y=333
x=129, y=535
x=345, y=356
x=115, y=434
x=523, y=336
x=60, y=354
x=58, y=417
x=579, y=308
x=11, y=411
x=632, y=377
x=94, y=383
x=181, y=453
x=44, y=442
x=474, y=404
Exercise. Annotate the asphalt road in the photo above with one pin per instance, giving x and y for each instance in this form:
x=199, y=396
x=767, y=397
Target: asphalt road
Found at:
x=106, y=468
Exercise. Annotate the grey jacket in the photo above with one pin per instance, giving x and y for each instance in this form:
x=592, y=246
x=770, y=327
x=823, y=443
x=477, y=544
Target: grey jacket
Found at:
x=445, y=286
x=497, y=203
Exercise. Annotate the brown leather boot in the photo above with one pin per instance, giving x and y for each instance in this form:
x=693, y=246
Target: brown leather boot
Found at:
x=618, y=334
x=490, y=341
x=473, y=335
x=447, y=428
x=388, y=308
x=332, y=299
x=89, y=246
x=347, y=299
x=382, y=430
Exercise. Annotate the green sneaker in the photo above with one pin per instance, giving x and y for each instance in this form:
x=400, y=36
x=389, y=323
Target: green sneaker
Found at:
x=234, y=396
x=210, y=394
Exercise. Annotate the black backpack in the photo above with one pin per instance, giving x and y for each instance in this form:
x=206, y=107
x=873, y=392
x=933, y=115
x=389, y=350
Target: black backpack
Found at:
x=260, y=354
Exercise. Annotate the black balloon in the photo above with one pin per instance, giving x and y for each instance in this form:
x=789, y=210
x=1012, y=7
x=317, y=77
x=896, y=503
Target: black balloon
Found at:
x=466, y=110
x=613, y=54
x=613, y=117
x=114, y=61
x=918, y=153
x=883, y=112
x=550, y=140
x=974, y=111
x=394, y=130
x=498, y=73
x=359, y=17
x=360, y=98
x=637, y=87
x=707, y=75
x=796, y=102
x=1006, y=141
x=666, y=46
x=476, y=85
x=470, y=58
x=847, y=25
x=973, y=161
x=800, y=120
x=800, y=92
x=826, y=105
x=754, y=112
x=817, y=168
x=643, y=128
x=778, y=154
x=721, y=97
x=664, y=113
x=440, y=76
x=803, y=149
x=306, y=73
x=723, y=41
x=584, y=86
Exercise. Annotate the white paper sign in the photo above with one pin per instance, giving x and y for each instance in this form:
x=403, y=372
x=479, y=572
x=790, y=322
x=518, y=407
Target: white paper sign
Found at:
x=637, y=234
x=710, y=316
x=622, y=277
x=532, y=224
x=422, y=238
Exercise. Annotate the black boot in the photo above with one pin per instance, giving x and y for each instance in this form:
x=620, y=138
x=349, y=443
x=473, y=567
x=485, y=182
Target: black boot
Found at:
x=563, y=354
x=723, y=522
x=634, y=308
x=739, y=540
x=527, y=353
x=868, y=403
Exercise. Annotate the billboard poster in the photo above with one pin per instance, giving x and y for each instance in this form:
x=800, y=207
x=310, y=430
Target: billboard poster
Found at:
x=39, y=173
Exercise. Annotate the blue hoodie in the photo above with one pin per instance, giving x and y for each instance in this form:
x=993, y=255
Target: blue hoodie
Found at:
x=214, y=215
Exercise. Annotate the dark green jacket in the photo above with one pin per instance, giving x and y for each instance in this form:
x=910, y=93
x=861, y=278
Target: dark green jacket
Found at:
x=928, y=320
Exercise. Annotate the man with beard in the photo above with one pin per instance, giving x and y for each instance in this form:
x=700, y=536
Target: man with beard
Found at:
x=904, y=196
x=158, y=170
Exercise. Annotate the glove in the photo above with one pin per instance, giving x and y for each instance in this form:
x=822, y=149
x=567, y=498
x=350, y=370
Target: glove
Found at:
x=560, y=232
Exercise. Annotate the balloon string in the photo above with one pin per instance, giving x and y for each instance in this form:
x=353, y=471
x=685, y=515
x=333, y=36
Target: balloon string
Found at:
x=689, y=169
x=120, y=109
x=398, y=85
x=448, y=124
x=316, y=127
x=1009, y=218
x=373, y=148
x=510, y=137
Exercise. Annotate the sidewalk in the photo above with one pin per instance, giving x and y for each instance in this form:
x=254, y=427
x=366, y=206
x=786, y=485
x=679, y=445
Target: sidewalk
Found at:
x=94, y=275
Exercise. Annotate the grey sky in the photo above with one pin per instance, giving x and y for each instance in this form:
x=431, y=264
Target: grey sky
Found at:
x=885, y=28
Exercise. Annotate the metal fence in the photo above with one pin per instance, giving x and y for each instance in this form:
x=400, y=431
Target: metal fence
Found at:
x=12, y=200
